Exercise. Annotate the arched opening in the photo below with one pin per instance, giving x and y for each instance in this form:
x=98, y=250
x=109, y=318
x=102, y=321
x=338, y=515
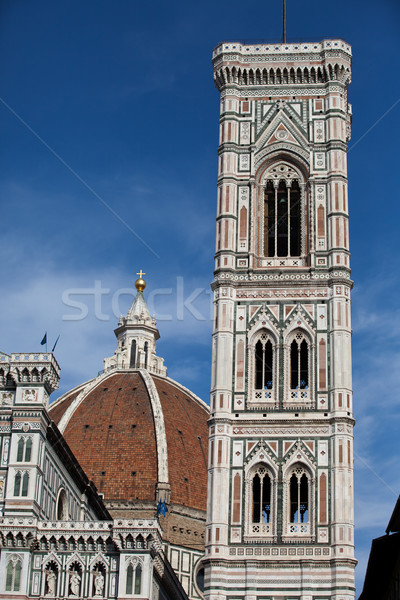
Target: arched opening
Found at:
x=299, y=363
x=132, y=363
x=129, y=580
x=17, y=484
x=263, y=364
x=261, y=498
x=9, y=576
x=13, y=575
x=25, y=484
x=28, y=450
x=20, y=450
x=138, y=579
x=299, y=498
x=260, y=508
x=62, y=506
x=282, y=223
x=146, y=352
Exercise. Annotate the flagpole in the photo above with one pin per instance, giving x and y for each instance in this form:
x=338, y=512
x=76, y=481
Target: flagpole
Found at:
x=284, y=21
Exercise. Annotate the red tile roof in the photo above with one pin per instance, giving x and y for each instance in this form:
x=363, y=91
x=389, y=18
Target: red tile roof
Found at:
x=112, y=435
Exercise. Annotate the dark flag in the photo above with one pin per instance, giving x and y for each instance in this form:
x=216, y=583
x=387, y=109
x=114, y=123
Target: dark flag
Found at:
x=162, y=508
x=44, y=340
x=55, y=343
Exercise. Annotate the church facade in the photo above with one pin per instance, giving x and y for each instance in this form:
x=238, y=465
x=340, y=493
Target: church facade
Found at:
x=129, y=486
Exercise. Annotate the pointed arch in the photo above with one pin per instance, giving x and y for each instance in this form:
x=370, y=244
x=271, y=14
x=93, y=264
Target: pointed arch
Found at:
x=299, y=363
x=129, y=580
x=132, y=362
x=298, y=494
x=262, y=365
x=25, y=484
x=261, y=499
x=13, y=574
x=282, y=211
x=62, y=506
x=20, y=449
x=265, y=76
x=138, y=579
x=17, y=483
x=271, y=76
x=28, y=450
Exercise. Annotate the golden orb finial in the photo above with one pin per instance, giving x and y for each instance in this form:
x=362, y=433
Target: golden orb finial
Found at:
x=140, y=283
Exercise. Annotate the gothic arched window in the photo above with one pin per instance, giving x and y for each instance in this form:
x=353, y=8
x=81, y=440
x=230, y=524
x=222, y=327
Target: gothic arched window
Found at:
x=20, y=450
x=25, y=484
x=28, y=450
x=17, y=484
x=261, y=489
x=262, y=368
x=13, y=576
x=299, y=376
x=260, y=510
x=282, y=223
x=129, y=579
x=263, y=364
x=134, y=579
x=299, y=501
x=138, y=579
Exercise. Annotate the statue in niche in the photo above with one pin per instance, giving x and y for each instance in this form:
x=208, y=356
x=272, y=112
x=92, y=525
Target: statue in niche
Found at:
x=51, y=580
x=75, y=583
x=99, y=584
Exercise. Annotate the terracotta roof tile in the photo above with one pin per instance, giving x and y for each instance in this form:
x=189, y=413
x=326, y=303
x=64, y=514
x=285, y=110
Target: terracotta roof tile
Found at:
x=113, y=437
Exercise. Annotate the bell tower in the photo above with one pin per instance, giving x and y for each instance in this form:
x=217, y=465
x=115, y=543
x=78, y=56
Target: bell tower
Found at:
x=280, y=487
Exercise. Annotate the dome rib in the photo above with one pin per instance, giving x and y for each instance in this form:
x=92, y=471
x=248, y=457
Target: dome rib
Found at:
x=161, y=436
x=79, y=398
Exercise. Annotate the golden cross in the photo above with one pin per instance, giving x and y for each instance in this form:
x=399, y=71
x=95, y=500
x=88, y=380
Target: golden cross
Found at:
x=141, y=274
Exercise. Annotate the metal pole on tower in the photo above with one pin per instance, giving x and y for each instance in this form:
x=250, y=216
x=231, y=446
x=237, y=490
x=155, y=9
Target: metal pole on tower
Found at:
x=284, y=21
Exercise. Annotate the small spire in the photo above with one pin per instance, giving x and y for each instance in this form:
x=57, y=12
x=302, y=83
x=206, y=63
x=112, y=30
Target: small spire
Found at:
x=140, y=283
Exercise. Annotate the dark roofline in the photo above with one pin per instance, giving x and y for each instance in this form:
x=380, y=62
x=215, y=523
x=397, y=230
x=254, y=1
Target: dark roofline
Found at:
x=394, y=522
x=73, y=467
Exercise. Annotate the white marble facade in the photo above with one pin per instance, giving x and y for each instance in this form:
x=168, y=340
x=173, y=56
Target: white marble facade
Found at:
x=280, y=496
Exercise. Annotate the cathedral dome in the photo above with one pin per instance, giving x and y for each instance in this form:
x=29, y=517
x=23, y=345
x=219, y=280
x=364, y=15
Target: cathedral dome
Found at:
x=139, y=437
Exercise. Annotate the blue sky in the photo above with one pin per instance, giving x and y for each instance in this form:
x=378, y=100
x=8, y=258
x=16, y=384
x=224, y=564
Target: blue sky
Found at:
x=123, y=93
